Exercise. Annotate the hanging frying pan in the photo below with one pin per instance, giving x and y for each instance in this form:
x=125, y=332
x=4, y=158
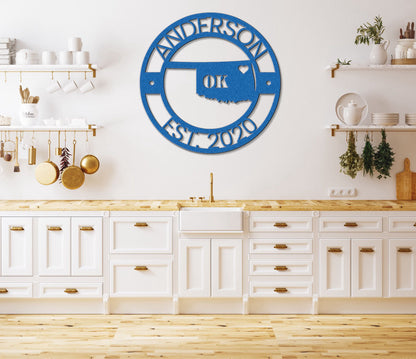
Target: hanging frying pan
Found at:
x=47, y=172
x=72, y=177
x=89, y=164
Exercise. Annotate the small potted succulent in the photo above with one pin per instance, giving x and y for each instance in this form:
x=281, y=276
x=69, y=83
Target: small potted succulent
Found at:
x=367, y=33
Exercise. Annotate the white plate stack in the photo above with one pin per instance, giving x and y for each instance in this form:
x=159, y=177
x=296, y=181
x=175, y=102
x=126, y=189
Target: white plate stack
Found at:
x=7, y=51
x=410, y=119
x=385, y=119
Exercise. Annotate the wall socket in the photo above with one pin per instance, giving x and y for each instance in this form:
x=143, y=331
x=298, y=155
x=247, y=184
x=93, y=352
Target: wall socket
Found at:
x=342, y=192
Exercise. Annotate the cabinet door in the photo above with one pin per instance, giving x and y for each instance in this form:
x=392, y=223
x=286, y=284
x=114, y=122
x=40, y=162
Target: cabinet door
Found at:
x=334, y=267
x=226, y=267
x=194, y=268
x=366, y=267
x=86, y=240
x=54, y=246
x=16, y=243
x=402, y=271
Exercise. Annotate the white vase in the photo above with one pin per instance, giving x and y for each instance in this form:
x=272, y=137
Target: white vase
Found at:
x=378, y=54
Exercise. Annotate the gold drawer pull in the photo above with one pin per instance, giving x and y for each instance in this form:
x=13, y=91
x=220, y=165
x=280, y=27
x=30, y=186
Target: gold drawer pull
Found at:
x=16, y=228
x=281, y=268
x=366, y=250
x=335, y=250
x=280, y=246
x=54, y=228
x=141, y=224
x=404, y=250
x=86, y=228
x=141, y=268
x=350, y=224
x=280, y=224
x=3, y=291
x=71, y=290
x=280, y=290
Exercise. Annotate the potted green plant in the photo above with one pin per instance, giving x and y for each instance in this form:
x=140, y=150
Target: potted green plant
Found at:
x=372, y=33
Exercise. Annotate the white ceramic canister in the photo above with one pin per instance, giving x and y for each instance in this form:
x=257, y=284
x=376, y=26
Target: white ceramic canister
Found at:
x=29, y=114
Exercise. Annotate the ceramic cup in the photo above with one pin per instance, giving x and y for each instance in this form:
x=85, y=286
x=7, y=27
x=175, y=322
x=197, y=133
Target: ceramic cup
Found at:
x=82, y=57
x=74, y=44
x=86, y=86
x=65, y=58
x=69, y=86
x=48, y=58
x=29, y=114
x=54, y=86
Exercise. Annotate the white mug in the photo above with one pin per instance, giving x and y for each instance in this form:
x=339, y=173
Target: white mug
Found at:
x=86, y=86
x=82, y=57
x=54, y=86
x=65, y=58
x=69, y=86
x=48, y=58
x=74, y=44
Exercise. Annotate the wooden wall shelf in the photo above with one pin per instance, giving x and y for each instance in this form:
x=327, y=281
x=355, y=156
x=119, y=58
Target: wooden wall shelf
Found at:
x=371, y=128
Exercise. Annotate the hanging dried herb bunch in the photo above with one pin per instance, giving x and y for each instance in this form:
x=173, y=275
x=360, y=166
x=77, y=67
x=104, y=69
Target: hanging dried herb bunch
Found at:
x=351, y=161
x=384, y=157
x=368, y=157
x=64, y=162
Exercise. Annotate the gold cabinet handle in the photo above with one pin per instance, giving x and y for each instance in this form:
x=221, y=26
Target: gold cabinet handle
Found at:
x=350, y=224
x=280, y=290
x=86, y=228
x=335, y=250
x=280, y=246
x=141, y=224
x=54, y=228
x=404, y=250
x=71, y=290
x=16, y=228
x=141, y=268
x=3, y=291
x=366, y=250
x=280, y=224
x=281, y=268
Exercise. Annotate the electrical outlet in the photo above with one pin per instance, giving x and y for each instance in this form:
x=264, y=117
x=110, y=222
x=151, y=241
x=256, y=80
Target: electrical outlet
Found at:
x=342, y=192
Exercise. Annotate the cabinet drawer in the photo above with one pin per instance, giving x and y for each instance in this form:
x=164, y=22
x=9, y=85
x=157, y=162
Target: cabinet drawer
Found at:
x=70, y=290
x=141, y=235
x=280, y=289
x=351, y=224
x=275, y=224
x=402, y=224
x=284, y=246
x=281, y=267
x=141, y=278
x=15, y=290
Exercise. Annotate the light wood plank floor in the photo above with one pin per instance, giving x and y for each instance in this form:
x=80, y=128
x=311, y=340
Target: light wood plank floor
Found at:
x=216, y=336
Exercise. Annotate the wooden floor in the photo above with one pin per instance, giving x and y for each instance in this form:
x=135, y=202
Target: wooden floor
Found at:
x=217, y=336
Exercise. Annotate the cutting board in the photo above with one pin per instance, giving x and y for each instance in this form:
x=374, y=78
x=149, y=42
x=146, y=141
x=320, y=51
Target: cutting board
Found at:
x=406, y=183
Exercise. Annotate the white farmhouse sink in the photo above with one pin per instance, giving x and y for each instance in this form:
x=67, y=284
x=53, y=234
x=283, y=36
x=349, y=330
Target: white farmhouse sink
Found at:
x=211, y=219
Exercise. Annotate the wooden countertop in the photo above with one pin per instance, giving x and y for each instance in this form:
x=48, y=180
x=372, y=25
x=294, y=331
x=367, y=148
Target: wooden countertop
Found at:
x=173, y=205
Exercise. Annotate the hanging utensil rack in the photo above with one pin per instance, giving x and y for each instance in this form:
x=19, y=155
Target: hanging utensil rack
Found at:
x=52, y=129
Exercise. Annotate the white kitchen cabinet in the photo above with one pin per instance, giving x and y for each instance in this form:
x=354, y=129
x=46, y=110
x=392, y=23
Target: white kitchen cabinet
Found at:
x=334, y=267
x=15, y=290
x=351, y=224
x=210, y=267
x=16, y=246
x=70, y=290
x=402, y=269
x=54, y=241
x=86, y=242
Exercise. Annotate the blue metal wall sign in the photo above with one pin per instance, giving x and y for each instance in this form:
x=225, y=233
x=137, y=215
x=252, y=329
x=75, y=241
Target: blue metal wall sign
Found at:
x=223, y=81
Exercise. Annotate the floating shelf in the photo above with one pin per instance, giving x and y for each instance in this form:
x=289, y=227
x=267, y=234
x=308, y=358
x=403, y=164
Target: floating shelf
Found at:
x=337, y=67
x=371, y=128
x=49, y=69
x=88, y=128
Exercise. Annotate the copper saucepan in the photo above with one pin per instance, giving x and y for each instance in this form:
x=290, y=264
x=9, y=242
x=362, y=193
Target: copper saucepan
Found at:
x=72, y=177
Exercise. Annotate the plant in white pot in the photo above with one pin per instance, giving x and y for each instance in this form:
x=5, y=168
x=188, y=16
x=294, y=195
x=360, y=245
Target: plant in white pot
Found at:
x=373, y=33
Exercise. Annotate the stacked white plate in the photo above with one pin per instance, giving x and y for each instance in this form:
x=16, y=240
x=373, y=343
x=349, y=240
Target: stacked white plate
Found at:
x=410, y=119
x=385, y=119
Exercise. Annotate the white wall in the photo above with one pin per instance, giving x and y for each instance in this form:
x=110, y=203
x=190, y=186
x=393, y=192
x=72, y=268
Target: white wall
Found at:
x=294, y=158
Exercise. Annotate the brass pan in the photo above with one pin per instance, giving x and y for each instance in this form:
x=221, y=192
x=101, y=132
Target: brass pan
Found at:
x=47, y=172
x=72, y=177
x=89, y=164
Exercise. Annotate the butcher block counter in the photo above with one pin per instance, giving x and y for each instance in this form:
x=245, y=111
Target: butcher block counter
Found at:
x=173, y=205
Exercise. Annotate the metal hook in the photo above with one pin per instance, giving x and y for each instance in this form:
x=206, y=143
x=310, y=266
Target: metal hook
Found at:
x=69, y=75
x=52, y=75
x=5, y=76
x=20, y=76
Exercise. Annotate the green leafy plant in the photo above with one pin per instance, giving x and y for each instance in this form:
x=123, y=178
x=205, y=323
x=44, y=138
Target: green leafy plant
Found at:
x=344, y=62
x=368, y=157
x=351, y=161
x=370, y=32
x=384, y=157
